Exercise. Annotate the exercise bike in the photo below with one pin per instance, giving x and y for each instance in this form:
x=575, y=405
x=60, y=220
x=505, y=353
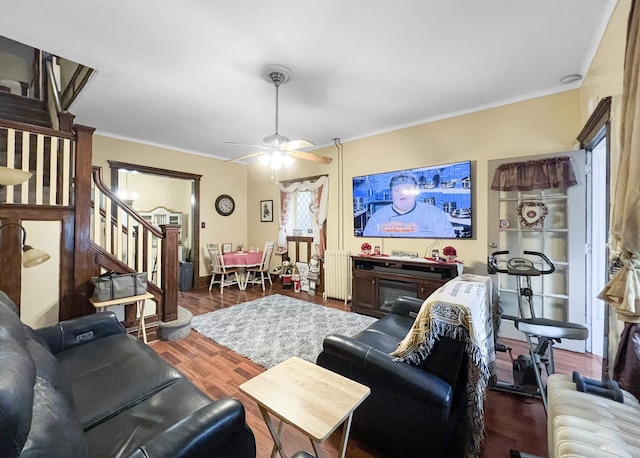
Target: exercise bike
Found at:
x=527, y=369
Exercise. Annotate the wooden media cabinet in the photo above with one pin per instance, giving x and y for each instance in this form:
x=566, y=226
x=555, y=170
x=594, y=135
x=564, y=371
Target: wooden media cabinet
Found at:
x=378, y=281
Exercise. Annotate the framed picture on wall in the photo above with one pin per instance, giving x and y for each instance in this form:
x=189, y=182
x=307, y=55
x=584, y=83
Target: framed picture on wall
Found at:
x=266, y=211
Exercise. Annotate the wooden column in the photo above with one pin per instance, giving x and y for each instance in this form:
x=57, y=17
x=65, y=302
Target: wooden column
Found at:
x=170, y=271
x=84, y=263
x=11, y=258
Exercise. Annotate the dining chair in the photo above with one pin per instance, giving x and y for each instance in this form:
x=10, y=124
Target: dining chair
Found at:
x=218, y=268
x=263, y=269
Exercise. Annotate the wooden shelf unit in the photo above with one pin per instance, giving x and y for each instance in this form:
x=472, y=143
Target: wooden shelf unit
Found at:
x=378, y=281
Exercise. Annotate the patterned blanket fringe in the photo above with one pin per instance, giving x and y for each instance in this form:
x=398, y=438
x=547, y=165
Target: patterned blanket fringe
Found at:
x=477, y=379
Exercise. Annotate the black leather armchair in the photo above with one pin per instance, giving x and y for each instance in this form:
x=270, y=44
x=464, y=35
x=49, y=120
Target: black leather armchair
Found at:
x=413, y=411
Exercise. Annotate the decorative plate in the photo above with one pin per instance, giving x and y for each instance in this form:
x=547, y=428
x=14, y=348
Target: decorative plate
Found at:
x=532, y=213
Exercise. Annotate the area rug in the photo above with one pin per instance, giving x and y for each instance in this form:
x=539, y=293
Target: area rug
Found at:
x=271, y=329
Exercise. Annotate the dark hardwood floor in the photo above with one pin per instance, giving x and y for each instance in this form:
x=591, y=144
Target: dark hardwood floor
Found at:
x=511, y=421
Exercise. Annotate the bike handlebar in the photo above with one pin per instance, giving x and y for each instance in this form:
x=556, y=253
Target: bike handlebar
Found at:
x=547, y=261
x=492, y=266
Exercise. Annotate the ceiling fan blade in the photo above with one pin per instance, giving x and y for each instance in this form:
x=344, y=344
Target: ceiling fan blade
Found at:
x=310, y=157
x=244, y=144
x=246, y=156
x=297, y=144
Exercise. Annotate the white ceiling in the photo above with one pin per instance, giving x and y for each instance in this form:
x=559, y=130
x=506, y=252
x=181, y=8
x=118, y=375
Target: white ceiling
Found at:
x=187, y=74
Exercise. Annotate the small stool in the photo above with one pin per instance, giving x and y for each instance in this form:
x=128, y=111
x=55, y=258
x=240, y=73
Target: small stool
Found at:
x=547, y=331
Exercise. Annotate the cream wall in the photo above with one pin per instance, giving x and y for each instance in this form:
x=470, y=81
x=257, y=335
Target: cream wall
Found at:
x=154, y=192
x=217, y=178
x=40, y=284
x=543, y=125
x=158, y=191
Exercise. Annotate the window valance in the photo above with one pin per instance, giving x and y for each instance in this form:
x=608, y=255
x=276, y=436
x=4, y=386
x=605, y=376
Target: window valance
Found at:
x=540, y=174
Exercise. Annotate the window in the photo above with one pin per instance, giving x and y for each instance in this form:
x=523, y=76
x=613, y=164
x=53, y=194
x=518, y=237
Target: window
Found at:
x=303, y=216
x=303, y=211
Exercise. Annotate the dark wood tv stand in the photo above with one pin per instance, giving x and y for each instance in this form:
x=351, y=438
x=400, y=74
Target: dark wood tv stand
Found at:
x=379, y=280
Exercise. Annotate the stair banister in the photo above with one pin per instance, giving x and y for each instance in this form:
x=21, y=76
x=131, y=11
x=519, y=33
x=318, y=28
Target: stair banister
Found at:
x=167, y=262
x=65, y=119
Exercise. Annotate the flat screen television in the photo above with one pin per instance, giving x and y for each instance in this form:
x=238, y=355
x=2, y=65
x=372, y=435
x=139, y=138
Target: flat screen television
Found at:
x=425, y=202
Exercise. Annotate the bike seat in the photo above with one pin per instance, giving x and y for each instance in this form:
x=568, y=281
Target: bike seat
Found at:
x=552, y=329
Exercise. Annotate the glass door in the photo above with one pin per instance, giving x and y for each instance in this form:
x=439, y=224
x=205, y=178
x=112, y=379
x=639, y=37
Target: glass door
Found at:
x=561, y=237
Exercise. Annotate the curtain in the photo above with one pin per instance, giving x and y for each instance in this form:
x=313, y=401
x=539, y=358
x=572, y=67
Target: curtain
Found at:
x=623, y=290
x=285, y=211
x=319, y=209
x=541, y=174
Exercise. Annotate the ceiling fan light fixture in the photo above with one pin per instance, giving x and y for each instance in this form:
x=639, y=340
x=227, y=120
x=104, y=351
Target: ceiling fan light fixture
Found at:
x=265, y=159
x=281, y=149
x=276, y=160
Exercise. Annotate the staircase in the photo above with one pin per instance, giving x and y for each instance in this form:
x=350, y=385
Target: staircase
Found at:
x=24, y=109
x=98, y=231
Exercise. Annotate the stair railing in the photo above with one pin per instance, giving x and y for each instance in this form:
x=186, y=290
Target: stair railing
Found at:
x=48, y=154
x=64, y=118
x=124, y=241
x=114, y=237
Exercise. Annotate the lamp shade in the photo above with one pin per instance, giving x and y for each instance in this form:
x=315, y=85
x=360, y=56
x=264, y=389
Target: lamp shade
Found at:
x=31, y=257
x=10, y=177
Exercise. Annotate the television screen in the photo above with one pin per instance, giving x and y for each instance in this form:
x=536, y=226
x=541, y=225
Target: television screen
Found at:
x=427, y=202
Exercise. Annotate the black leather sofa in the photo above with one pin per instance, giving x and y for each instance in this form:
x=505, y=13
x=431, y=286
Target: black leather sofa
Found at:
x=85, y=388
x=412, y=411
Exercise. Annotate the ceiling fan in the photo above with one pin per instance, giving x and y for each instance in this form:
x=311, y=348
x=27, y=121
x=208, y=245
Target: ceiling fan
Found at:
x=278, y=149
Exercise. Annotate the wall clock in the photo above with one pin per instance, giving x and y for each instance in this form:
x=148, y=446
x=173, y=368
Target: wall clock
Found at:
x=225, y=205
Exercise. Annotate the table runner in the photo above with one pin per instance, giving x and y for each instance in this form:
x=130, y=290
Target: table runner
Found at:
x=461, y=309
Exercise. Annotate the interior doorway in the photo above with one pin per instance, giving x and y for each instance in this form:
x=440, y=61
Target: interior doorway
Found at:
x=159, y=182
x=595, y=138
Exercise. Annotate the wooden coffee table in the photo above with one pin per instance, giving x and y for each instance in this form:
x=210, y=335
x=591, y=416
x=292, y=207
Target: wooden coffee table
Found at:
x=310, y=398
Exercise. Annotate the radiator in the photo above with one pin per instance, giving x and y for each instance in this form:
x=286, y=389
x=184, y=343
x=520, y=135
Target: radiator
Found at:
x=337, y=275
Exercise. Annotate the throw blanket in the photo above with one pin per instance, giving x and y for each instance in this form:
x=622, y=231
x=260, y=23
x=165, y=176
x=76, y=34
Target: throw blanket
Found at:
x=462, y=309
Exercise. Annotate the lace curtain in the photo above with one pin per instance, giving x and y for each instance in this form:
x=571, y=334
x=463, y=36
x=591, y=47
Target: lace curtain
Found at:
x=528, y=175
x=319, y=204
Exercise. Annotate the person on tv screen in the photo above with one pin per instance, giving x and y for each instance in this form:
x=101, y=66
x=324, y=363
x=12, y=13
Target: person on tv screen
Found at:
x=407, y=218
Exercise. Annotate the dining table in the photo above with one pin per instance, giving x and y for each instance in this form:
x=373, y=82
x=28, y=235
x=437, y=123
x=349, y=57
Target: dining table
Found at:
x=241, y=260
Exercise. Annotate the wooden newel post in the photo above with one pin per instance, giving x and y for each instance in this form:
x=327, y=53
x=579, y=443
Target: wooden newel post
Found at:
x=84, y=259
x=169, y=269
